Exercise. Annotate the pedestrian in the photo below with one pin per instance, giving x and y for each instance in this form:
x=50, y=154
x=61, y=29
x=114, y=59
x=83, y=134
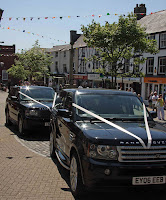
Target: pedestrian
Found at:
x=141, y=99
x=154, y=100
x=160, y=107
x=150, y=99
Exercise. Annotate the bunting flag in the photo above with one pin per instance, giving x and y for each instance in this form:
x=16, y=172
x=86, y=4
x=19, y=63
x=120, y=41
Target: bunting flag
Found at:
x=62, y=17
x=24, y=31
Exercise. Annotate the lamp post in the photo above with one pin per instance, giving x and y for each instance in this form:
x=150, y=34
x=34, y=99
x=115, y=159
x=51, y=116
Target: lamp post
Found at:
x=71, y=60
x=1, y=12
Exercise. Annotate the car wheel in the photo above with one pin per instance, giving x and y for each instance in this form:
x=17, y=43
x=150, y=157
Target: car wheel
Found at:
x=52, y=146
x=76, y=183
x=21, y=126
x=8, y=122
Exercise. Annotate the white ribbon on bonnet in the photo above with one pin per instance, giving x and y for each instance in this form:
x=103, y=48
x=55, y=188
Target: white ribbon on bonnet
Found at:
x=120, y=128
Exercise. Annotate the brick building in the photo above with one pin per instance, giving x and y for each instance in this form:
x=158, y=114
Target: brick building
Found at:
x=7, y=56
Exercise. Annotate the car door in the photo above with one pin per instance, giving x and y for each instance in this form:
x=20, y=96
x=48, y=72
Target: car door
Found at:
x=64, y=125
x=15, y=105
x=11, y=103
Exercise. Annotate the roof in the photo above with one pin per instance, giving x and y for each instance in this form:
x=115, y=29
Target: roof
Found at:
x=59, y=48
x=98, y=91
x=79, y=43
x=155, y=22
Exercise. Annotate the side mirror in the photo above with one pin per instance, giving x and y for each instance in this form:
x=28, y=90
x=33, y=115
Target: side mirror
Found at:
x=14, y=98
x=153, y=114
x=64, y=113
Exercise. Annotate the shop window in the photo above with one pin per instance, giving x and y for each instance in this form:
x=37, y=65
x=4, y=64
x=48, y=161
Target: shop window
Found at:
x=150, y=65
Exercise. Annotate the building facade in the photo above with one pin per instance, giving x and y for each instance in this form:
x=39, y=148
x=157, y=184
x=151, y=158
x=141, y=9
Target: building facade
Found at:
x=7, y=56
x=154, y=68
x=155, y=65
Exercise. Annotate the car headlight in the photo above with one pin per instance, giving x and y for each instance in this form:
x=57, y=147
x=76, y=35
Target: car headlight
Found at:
x=106, y=152
x=31, y=113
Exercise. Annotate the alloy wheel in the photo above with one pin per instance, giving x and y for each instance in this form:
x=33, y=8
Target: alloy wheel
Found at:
x=73, y=174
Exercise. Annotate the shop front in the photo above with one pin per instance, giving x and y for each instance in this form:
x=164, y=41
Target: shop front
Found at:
x=155, y=84
x=129, y=83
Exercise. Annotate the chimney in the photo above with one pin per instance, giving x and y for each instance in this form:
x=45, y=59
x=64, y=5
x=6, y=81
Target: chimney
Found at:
x=73, y=36
x=140, y=11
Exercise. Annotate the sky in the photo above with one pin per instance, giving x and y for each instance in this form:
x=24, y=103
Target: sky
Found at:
x=50, y=21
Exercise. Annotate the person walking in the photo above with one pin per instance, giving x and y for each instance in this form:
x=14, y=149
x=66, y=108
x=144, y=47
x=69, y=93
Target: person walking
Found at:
x=150, y=99
x=160, y=107
x=154, y=100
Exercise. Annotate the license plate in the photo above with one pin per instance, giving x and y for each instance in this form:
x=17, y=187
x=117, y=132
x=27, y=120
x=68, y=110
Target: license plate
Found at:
x=148, y=180
x=47, y=124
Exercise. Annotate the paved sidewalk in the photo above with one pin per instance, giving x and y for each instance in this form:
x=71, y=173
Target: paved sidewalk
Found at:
x=162, y=122
x=25, y=175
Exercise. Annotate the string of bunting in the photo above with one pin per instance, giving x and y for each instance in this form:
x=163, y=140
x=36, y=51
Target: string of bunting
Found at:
x=61, y=17
x=24, y=31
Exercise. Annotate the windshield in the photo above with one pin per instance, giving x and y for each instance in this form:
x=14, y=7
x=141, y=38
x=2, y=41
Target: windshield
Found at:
x=42, y=94
x=110, y=106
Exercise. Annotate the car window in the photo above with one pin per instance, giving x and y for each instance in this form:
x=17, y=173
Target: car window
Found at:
x=68, y=101
x=41, y=94
x=110, y=106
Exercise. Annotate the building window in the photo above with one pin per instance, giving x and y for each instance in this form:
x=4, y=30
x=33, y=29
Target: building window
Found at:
x=162, y=65
x=64, y=54
x=150, y=65
x=4, y=75
x=64, y=68
x=56, y=54
x=163, y=40
x=127, y=65
x=151, y=37
x=83, y=52
x=56, y=67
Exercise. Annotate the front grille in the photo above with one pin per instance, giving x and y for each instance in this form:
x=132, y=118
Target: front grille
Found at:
x=139, y=154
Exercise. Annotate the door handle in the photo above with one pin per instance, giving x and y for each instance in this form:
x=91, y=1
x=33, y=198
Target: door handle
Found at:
x=72, y=136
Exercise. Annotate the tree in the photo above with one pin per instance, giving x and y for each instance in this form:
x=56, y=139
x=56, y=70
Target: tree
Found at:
x=32, y=64
x=118, y=42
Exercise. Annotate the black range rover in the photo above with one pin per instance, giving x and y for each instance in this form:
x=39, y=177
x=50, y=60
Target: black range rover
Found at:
x=98, y=154
x=24, y=112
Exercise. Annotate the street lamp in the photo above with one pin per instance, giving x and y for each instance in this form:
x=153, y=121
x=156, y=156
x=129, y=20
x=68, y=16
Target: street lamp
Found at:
x=1, y=12
x=71, y=60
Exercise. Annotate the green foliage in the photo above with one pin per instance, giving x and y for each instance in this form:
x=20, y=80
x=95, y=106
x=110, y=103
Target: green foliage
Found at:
x=119, y=41
x=32, y=63
x=18, y=71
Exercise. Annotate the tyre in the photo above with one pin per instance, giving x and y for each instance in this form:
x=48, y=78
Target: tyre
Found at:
x=20, y=126
x=76, y=184
x=8, y=122
x=52, y=146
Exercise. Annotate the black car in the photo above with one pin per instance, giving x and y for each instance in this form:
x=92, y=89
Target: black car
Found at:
x=25, y=112
x=123, y=148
